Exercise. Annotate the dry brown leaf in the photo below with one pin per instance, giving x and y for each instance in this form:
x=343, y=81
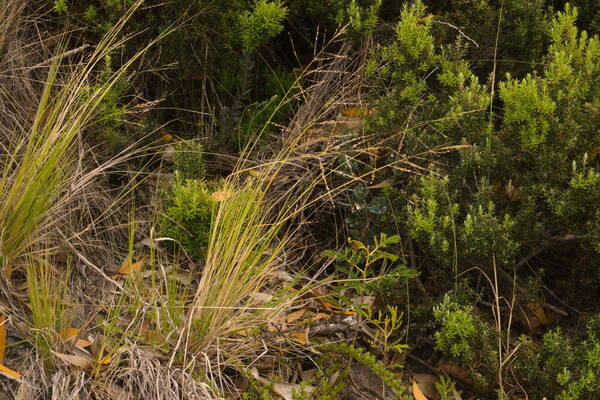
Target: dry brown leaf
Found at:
x=285, y=390
x=299, y=337
x=221, y=195
x=2, y=337
x=319, y=316
x=426, y=383
x=293, y=316
x=513, y=193
x=80, y=361
x=540, y=313
x=129, y=268
x=8, y=270
x=9, y=373
x=417, y=393
x=382, y=184
x=261, y=297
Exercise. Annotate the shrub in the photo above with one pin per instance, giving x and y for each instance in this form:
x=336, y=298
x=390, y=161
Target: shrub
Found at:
x=187, y=215
x=188, y=159
x=261, y=24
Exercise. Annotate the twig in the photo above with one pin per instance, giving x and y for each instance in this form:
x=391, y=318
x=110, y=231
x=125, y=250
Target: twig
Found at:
x=546, y=244
x=457, y=29
x=89, y=263
x=59, y=56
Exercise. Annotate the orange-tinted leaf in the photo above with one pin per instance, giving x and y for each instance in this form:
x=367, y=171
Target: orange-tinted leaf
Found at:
x=319, y=316
x=165, y=138
x=2, y=337
x=8, y=270
x=352, y=112
x=293, y=316
x=105, y=360
x=9, y=373
x=299, y=337
x=221, y=195
x=417, y=393
x=129, y=268
x=70, y=335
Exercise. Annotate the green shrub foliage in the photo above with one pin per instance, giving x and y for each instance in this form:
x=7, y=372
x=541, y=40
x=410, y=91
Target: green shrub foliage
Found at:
x=187, y=215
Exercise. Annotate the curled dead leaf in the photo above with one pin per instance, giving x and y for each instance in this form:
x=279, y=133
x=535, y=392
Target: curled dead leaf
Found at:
x=221, y=195
x=293, y=316
x=80, y=361
x=130, y=268
x=417, y=393
x=9, y=373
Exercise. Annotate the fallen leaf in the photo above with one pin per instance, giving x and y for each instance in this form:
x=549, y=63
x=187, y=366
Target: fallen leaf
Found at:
x=283, y=276
x=293, y=316
x=426, y=383
x=319, y=316
x=8, y=270
x=362, y=301
x=254, y=172
x=513, y=193
x=2, y=337
x=261, y=297
x=105, y=360
x=382, y=184
x=417, y=393
x=70, y=335
x=221, y=195
x=352, y=112
x=9, y=373
x=285, y=390
x=540, y=313
x=80, y=361
x=299, y=337
x=130, y=268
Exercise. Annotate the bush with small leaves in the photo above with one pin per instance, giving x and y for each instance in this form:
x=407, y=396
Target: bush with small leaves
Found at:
x=187, y=215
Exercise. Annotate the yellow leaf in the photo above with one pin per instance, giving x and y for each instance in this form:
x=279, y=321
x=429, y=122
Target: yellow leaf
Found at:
x=105, y=360
x=356, y=244
x=130, y=268
x=293, y=316
x=254, y=172
x=165, y=139
x=299, y=337
x=2, y=337
x=9, y=373
x=417, y=393
x=221, y=196
x=352, y=112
